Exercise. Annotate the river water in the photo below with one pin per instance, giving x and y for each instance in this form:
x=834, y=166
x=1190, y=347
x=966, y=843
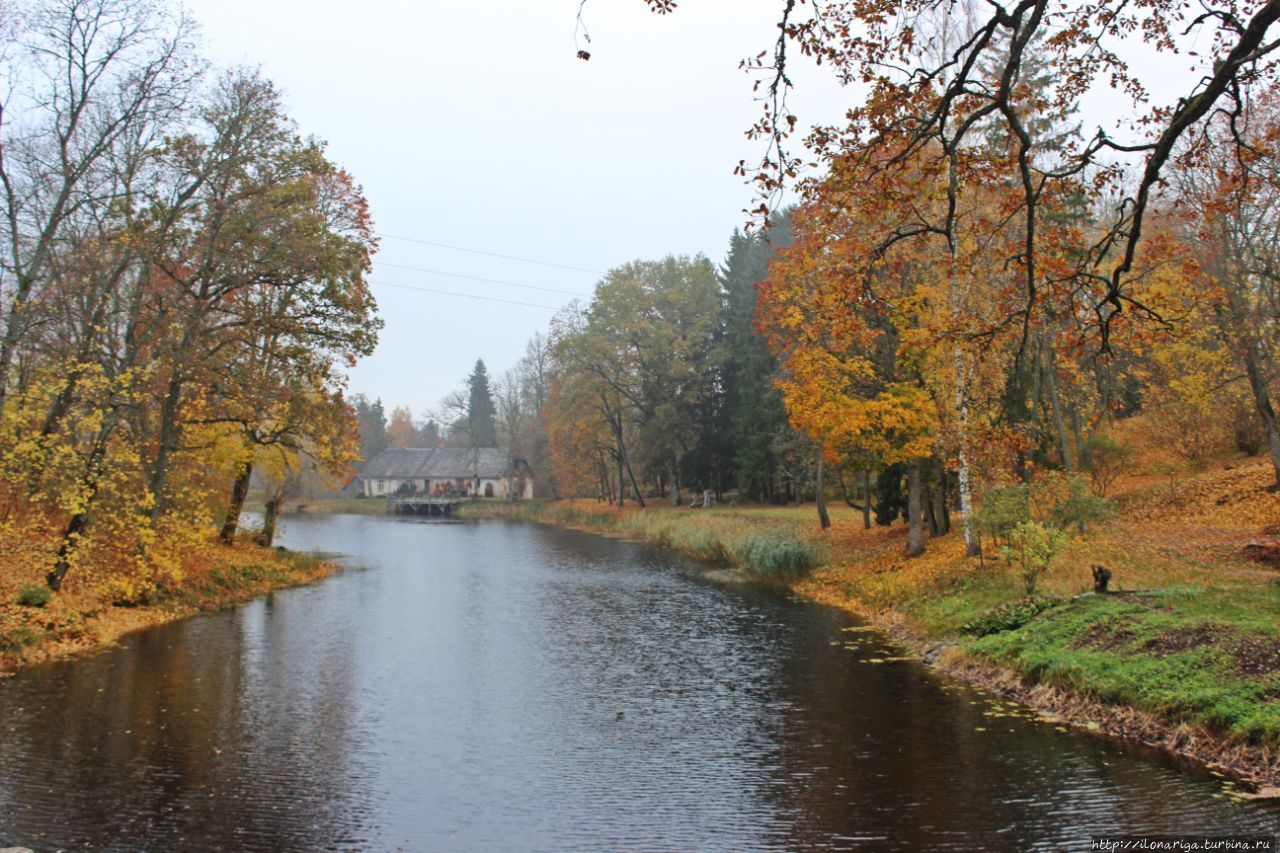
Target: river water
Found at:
x=514, y=687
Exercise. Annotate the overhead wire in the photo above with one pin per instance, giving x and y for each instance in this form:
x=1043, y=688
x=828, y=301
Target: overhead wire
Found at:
x=489, y=254
x=463, y=295
x=479, y=278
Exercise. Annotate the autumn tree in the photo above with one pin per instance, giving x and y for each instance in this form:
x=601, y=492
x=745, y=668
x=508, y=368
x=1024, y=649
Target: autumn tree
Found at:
x=1232, y=201
x=88, y=84
x=184, y=289
x=535, y=372
x=400, y=428
x=940, y=104
x=646, y=346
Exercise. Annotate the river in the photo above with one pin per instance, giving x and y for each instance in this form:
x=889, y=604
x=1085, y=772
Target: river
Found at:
x=500, y=686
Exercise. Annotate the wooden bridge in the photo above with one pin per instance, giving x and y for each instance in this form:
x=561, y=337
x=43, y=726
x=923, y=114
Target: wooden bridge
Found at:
x=423, y=505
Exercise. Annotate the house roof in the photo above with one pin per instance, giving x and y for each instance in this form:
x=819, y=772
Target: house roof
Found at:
x=446, y=463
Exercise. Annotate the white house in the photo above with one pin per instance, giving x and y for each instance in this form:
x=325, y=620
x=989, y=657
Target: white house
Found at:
x=463, y=471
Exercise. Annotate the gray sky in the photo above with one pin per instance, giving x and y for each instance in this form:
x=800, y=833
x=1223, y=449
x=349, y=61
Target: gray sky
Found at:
x=474, y=125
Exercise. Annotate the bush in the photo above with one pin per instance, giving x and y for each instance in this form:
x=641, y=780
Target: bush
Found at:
x=1057, y=498
x=36, y=595
x=1004, y=509
x=1032, y=547
x=1077, y=506
x=125, y=591
x=18, y=638
x=1106, y=459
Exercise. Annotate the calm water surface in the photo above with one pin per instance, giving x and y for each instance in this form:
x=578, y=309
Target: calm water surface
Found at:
x=510, y=687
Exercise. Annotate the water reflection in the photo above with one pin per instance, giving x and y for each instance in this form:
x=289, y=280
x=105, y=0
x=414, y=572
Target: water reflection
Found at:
x=513, y=687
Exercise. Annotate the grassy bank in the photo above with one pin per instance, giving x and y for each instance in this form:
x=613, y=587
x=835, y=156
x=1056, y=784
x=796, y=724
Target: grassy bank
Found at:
x=88, y=613
x=767, y=544
x=1185, y=652
x=326, y=506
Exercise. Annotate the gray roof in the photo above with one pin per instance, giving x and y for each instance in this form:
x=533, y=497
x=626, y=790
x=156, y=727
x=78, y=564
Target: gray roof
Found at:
x=446, y=463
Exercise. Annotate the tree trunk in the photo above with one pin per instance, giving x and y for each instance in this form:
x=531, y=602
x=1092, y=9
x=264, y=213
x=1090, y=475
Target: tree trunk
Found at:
x=962, y=457
x=821, y=492
x=1050, y=368
x=13, y=333
x=675, y=486
x=70, y=539
x=239, y=490
x=940, y=512
x=1077, y=432
x=866, y=498
x=635, y=487
x=931, y=511
x=77, y=523
x=167, y=438
x=1262, y=402
x=622, y=479
x=268, y=534
x=915, y=530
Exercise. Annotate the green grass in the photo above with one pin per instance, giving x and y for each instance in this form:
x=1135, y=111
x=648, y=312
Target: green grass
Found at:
x=767, y=545
x=945, y=612
x=1118, y=651
x=18, y=638
x=224, y=585
x=355, y=506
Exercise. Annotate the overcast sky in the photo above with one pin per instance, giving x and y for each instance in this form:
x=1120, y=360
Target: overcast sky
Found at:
x=474, y=125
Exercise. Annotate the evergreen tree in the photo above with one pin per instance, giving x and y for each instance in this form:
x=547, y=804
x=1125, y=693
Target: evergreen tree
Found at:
x=426, y=433
x=481, y=413
x=372, y=423
x=752, y=414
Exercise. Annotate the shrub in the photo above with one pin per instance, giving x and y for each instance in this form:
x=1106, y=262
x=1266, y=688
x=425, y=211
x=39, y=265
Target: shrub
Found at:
x=18, y=638
x=1004, y=509
x=1077, y=506
x=1106, y=459
x=36, y=595
x=1032, y=547
x=126, y=591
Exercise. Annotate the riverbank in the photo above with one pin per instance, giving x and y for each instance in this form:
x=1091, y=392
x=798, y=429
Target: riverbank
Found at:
x=89, y=613
x=1184, y=655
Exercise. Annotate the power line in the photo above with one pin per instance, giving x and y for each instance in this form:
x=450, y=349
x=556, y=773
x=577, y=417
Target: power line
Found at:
x=478, y=278
x=490, y=254
x=464, y=295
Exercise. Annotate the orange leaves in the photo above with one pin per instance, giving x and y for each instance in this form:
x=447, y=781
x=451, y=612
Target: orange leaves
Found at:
x=400, y=428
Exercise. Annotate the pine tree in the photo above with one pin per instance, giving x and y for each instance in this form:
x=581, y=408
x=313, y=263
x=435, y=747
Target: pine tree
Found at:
x=753, y=413
x=372, y=422
x=481, y=412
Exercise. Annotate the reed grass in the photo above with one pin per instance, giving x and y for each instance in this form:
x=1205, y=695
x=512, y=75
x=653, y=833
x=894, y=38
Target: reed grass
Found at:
x=764, y=547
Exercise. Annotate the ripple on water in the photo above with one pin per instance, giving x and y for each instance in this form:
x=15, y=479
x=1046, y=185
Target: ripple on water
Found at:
x=497, y=686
